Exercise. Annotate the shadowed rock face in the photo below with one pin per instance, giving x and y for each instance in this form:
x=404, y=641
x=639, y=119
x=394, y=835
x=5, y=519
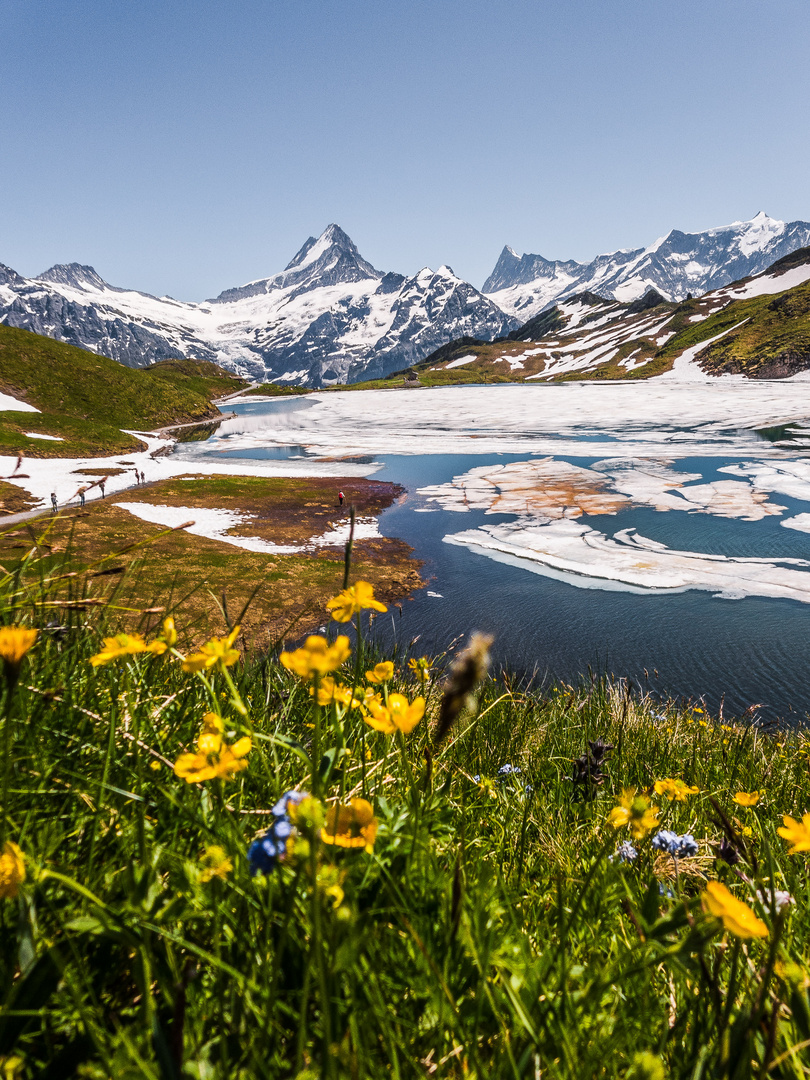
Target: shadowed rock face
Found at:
x=328, y=317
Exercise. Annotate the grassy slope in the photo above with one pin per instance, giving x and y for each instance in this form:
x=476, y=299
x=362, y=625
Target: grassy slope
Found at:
x=86, y=399
x=774, y=342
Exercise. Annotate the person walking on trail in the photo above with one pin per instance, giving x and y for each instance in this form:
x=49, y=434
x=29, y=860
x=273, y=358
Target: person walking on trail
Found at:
x=81, y=497
x=341, y=497
x=53, y=502
x=101, y=484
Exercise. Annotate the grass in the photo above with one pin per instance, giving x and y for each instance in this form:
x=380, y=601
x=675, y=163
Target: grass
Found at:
x=275, y=390
x=86, y=399
x=773, y=342
x=487, y=930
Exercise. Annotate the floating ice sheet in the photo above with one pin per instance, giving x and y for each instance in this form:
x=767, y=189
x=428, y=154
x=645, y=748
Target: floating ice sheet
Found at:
x=584, y=557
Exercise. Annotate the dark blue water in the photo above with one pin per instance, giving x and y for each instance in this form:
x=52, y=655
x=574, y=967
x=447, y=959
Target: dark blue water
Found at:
x=691, y=644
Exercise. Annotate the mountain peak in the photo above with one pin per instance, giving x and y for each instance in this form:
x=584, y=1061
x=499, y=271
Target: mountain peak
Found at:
x=75, y=275
x=331, y=237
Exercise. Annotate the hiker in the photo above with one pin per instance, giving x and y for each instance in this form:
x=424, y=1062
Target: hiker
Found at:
x=137, y=477
x=341, y=497
x=53, y=502
x=81, y=497
x=143, y=477
x=101, y=484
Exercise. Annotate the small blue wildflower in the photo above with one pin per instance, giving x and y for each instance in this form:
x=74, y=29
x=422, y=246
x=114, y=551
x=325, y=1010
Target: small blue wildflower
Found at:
x=688, y=846
x=679, y=847
x=271, y=847
x=476, y=779
x=665, y=891
x=507, y=770
x=625, y=853
x=294, y=797
x=665, y=840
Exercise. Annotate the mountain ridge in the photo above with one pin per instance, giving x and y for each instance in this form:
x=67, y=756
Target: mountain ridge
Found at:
x=675, y=265
x=331, y=317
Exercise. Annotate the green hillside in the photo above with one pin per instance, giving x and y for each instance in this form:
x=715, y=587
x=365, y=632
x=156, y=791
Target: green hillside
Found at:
x=85, y=400
x=772, y=342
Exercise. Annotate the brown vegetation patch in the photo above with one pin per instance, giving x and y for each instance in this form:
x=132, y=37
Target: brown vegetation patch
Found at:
x=283, y=510
x=192, y=575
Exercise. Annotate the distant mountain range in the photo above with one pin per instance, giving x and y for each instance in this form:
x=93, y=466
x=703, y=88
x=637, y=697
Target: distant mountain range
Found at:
x=331, y=317
x=328, y=317
x=758, y=327
x=675, y=265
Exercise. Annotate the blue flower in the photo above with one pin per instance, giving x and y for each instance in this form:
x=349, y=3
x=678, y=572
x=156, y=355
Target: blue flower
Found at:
x=271, y=847
x=679, y=847
x=625, y=853
x=476, y=779
x=506, y=770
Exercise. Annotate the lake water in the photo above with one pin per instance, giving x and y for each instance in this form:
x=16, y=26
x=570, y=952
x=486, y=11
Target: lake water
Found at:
x=662, y=539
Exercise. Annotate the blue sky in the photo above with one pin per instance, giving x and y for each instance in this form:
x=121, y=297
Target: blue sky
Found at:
x=186, y=147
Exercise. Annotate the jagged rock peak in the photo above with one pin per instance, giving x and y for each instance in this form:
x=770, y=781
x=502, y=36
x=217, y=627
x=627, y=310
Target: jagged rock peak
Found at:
x=331, y=237
x=330, y=259
x=74, y=274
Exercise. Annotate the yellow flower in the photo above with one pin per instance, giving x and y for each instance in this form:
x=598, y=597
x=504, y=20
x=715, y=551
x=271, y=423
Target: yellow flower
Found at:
x=736, y=916
x=12, y=870
x=420, y=668
x=352, y=826
x=118, y=646
x=214, y=757
x=215, y=863
x=746, y=798
x=353, y=600
x=15, y=641
x=674, y=789
x=397, y=715
x=215, y=651
x=317, y=655
x=634, y=810
x=169, y=632
x=330, y=691
x=798, y=833
x=381, y=673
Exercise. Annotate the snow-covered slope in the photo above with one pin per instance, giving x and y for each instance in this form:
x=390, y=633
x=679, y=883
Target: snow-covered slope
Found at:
x=329, y=316
x=675, y=265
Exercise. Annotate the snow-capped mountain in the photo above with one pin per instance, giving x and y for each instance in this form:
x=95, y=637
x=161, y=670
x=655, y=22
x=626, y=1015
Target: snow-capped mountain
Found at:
x=328, y=317
x=675, y=265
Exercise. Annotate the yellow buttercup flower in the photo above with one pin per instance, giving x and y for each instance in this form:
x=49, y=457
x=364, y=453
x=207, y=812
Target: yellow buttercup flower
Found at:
x=420, y=668
x=317, y=656
x=118, y=646
x=169, y=632
x=797, y=832
x=352, y=826
x=381, y=673
x=398, y=715
x=634, y=809
x=746, y=798
x=737, y=917
x=15, y=641
x=12, y=870
x=215, y=651
x=330, y=692
x=353, y=600
x=674, y=789
x=214, y=757
x=215, y=862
